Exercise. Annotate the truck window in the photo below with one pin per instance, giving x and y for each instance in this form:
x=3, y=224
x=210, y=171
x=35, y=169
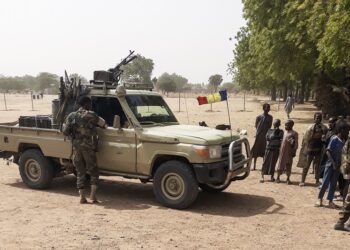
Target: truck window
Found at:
x=107, y=108
x=150, y=108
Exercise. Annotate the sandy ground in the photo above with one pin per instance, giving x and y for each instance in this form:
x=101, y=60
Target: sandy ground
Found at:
x=248, y=215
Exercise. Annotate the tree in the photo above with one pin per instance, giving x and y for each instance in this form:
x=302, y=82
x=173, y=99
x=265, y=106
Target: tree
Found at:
x=215, y=81
x=229, y=86
x=166, y=83
x=180, y=81
x=46, y=80
x=139, y=70
x=299, y=45
x=172, y=83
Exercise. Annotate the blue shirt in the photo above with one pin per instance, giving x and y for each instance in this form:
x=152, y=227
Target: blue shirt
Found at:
x=335, y=147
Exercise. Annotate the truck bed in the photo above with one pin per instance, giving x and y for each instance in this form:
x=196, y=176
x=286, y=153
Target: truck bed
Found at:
x=51, y=141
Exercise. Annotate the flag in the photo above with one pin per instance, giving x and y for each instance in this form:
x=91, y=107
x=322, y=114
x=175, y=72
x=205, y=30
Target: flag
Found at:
x=216, y=97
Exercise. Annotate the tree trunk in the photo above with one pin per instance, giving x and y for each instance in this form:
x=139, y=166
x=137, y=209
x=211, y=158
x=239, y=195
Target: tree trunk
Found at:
x=273, y=93
x=302, y=92
x=296, y=95
x=307, y=92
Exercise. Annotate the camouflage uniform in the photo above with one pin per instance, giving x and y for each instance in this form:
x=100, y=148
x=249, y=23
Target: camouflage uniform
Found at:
x=345, y=168
x=81, y=127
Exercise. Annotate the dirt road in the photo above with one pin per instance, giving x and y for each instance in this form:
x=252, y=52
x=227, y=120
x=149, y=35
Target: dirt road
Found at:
x=248, y=215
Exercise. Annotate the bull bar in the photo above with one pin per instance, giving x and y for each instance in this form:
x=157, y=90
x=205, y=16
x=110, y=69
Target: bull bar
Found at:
x=236, y=168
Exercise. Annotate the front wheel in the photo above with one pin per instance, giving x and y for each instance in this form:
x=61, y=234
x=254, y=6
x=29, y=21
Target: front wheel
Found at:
x=175, y=185
x=36, y=170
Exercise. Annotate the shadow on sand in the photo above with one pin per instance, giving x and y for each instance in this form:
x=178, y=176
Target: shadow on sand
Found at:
x=122, y=195
x=303, y=120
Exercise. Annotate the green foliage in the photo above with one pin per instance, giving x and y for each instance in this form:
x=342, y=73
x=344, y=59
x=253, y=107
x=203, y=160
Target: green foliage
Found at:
x=335, y=43
x=41, y=82
x=166, y=83
x=139, y=70
x=229, y=86
x=302, y=43
x=215, y=81
x=172, y=83
x=46, y=80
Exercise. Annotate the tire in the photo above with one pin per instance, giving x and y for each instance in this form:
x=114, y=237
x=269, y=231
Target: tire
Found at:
x=207, y=188
x=36, y=170
x=175, y=185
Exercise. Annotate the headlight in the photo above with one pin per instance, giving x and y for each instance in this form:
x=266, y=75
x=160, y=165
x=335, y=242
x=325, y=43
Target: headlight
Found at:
x=211, y=152
x=215, y=152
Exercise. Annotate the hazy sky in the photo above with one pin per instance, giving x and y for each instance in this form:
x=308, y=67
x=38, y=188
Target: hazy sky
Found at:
x=188, y=37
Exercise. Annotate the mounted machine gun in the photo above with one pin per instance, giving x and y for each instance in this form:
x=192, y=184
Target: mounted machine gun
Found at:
x=111, y=77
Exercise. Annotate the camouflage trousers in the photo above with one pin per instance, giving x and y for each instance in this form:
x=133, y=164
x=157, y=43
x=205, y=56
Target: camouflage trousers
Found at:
x=84, y=160
x=345, y=213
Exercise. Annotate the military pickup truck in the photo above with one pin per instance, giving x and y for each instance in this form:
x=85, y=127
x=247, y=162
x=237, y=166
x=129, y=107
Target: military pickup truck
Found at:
x=144, y=141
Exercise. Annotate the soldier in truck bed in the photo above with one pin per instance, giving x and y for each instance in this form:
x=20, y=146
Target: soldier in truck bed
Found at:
x=81, y=128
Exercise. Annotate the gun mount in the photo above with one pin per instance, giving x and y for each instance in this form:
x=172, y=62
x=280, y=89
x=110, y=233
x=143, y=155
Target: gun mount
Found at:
x=111, y=77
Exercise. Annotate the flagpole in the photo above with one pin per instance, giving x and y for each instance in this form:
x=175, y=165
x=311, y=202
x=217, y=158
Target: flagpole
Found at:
x=229, y=117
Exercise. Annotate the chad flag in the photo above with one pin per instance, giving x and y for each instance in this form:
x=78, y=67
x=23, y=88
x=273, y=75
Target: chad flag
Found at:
x=216, y=97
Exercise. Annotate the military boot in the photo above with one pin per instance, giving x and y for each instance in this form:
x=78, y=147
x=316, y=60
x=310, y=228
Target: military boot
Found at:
x=93, y=194
x=82, y=196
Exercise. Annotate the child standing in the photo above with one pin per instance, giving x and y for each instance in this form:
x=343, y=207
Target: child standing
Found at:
x=288, y=150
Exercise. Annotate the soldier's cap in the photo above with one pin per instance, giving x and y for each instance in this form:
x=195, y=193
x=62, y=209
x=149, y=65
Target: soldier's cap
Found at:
x=84, y=100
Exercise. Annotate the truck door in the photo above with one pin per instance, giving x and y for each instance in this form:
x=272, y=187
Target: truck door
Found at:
x=117, y=147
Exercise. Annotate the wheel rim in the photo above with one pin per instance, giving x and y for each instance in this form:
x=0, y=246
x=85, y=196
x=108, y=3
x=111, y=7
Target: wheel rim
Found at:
x=173, y=186
x=33, y=170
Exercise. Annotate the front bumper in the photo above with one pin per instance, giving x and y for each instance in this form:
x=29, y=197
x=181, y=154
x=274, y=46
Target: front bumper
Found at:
x=216, y=172
x=221, y=173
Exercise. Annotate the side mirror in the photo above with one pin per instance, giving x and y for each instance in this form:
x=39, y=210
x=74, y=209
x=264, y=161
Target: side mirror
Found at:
x=116, y=122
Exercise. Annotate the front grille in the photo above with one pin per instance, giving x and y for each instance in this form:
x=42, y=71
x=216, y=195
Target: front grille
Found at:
x=237, y=152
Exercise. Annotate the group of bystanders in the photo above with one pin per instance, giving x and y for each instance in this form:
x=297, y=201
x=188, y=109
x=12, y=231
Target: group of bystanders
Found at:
x=326, y=149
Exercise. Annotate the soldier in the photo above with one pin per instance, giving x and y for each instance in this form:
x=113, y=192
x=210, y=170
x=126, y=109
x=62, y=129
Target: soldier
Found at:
x=81, y=128
x=262, y=124
x=345, y=169
x=311, y=148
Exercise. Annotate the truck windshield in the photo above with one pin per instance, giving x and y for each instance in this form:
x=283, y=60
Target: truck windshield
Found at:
x=150, y=109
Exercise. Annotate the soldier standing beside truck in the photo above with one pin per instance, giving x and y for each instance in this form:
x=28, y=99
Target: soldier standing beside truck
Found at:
x=81, y=128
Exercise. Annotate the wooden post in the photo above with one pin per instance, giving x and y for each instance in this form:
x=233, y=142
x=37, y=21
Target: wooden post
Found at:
x=229, y=117
x=5, y=101
x=188, y=119
x=31, y=98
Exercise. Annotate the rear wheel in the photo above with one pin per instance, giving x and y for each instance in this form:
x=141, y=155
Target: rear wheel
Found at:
x=175, y=185
x=36, y=170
